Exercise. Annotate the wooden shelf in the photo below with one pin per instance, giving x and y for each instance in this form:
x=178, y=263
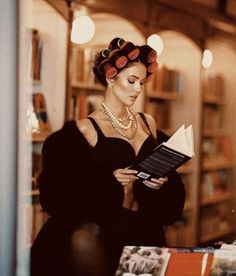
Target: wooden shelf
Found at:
x=39, y=136
x=212, y=99
x=217, y=165
x=172, y=96
x=216, y=235
x=217, y=198
x=213, y=132
x=87, y=86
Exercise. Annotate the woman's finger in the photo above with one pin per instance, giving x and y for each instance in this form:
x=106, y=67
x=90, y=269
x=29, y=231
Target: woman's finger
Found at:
x=152, y=185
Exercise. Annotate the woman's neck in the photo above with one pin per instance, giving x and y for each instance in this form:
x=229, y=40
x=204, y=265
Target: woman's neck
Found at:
x=119, y=110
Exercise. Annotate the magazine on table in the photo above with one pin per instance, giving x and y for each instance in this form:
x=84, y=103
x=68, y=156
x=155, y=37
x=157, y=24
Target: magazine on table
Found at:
x=168, y=156
x=142, y=260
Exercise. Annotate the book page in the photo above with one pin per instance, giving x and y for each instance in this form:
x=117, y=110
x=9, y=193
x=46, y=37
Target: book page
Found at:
x=182, y=141
x=224, y=263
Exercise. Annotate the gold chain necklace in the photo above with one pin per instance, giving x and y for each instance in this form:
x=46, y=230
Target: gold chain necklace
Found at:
x=117, y=125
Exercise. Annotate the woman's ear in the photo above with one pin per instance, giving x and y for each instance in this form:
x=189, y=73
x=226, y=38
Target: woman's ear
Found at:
x=110, y=82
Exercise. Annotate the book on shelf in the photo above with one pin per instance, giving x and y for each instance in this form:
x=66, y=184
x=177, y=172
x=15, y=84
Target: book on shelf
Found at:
x=212, y=117
x=217, y=149
x=161, y=112
x=168, y=156
x=141, y=260
x=213, y=183
x=42, y=123
x=82, y=62
x=86, y=103
x=32, y=55
x=179, y=234
x=215, y=85
x=168, y=80
x=214, y=222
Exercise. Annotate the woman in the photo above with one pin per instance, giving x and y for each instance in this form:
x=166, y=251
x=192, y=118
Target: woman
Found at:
x=96, y=203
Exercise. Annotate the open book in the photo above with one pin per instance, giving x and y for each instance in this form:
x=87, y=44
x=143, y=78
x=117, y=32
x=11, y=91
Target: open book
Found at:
x=168, y=156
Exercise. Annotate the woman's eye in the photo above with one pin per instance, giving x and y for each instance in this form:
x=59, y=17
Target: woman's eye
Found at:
x=131, y=81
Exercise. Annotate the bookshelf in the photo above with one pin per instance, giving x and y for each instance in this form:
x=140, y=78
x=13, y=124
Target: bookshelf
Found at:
x=173, y=98
x=38, y=127
x=85, y=93
x=216, y=188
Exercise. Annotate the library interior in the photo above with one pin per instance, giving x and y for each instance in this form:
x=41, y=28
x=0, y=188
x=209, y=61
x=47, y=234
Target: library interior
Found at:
x=194, y=85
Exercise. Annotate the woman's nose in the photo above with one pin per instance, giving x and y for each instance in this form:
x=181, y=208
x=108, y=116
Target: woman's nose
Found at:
x=137, y=87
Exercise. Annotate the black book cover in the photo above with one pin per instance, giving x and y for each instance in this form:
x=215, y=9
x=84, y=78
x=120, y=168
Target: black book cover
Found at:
x=168, y=156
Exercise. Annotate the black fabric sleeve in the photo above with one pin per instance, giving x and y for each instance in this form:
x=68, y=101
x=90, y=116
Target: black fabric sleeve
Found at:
x=166, y=204
x=71, y=189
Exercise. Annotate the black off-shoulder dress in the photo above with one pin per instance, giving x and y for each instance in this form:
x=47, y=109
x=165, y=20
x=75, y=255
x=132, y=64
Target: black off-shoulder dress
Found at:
x=77, y=186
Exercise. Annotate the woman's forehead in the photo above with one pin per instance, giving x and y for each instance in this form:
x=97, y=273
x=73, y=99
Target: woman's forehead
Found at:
x=135, y=69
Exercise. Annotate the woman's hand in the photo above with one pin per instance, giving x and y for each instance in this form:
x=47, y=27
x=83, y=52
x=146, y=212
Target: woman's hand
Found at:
x=155, y=183
x=125, y=176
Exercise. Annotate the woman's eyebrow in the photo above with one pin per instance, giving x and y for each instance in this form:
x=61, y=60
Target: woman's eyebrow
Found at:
x=134, y=76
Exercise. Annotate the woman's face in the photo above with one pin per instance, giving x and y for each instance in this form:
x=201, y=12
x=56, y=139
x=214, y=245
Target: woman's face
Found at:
x=129, y=83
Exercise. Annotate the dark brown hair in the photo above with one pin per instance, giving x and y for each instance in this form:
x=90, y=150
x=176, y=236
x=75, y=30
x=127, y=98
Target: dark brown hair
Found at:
x=119, y=55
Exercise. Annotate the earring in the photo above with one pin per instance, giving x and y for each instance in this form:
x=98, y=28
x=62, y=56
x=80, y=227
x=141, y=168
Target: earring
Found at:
x=109, y=85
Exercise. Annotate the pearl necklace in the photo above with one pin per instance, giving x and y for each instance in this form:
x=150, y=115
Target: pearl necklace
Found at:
x=118, y=121
x=118, y=126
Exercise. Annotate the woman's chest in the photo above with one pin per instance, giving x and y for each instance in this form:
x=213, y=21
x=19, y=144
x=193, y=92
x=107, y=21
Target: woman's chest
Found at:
x=115, y=152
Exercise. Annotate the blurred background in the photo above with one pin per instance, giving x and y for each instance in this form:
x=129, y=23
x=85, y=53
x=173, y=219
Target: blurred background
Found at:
x=55, y=45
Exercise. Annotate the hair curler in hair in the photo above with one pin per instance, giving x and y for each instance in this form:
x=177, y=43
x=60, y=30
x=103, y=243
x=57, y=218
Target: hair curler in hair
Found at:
x=106, y=68
x=116, y=43
x=117, y=58
x=152, y=67
x=148, y=54
x=130, y=50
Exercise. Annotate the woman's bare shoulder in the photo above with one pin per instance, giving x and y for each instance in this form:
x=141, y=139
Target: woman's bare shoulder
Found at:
x=87, y=129
x=152, y=123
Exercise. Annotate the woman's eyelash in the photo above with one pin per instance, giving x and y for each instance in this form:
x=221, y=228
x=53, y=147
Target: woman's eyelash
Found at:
x=132, y=82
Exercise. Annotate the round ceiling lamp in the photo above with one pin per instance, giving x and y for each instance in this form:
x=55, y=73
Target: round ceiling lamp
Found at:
x=83, y=29
x=156, y=43
x=207, y=59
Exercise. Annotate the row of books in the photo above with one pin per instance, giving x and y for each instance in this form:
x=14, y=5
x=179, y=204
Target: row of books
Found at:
x=83, y=104
x=180, y=233
x=213, y=183
x=213, y=118
x=81, y=68
x=214, y=85
x=217, y=149
x=161, y=112
x=214, y=219
x=168, y=80
x=37, y=115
